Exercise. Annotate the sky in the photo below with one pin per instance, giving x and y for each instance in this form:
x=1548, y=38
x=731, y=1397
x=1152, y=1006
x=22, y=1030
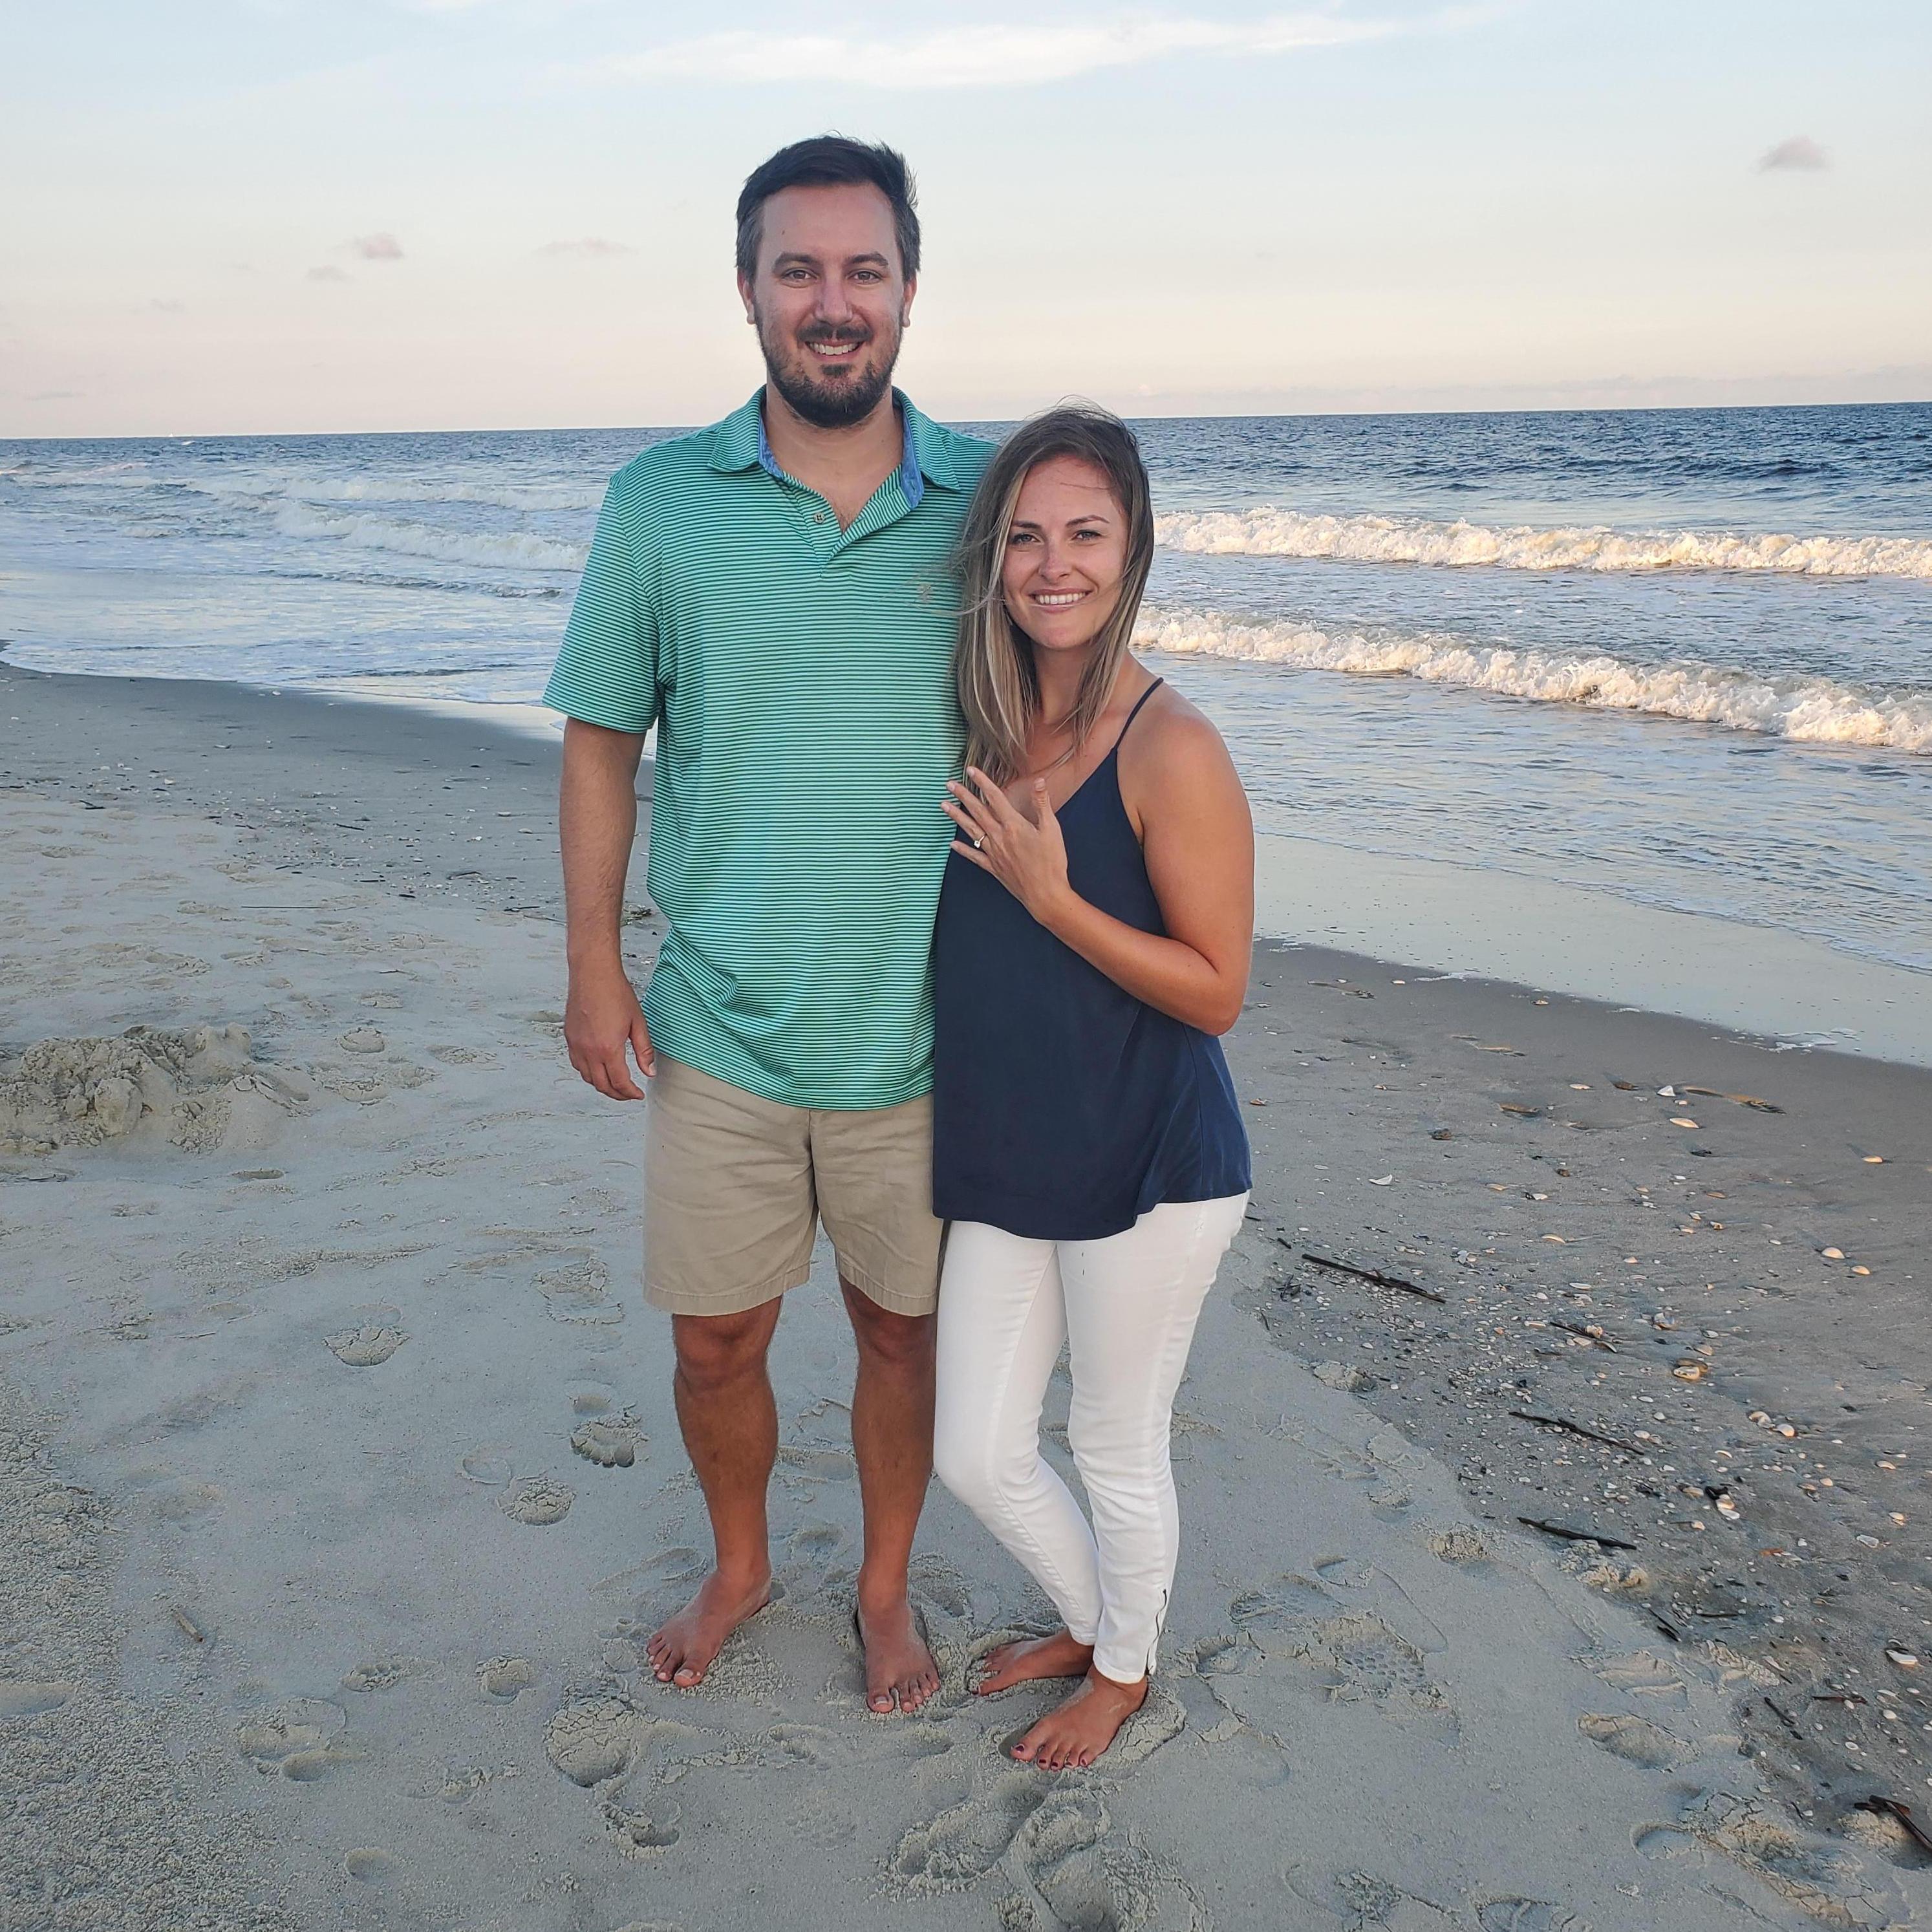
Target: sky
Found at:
x=245, y=216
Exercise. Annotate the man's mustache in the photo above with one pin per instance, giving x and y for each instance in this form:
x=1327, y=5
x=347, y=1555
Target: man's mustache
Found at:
x=822, y=335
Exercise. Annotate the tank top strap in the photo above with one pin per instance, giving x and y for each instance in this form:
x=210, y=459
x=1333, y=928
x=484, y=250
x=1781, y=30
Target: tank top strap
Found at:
x=1138, y=703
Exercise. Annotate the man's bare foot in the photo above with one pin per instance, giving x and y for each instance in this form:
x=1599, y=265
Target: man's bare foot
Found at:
x=1071, y=1735
x=900, y=1673
x=688, y=1645
x=1026, y=1658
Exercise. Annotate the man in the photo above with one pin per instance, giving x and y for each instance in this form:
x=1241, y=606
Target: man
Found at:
x=773, y=594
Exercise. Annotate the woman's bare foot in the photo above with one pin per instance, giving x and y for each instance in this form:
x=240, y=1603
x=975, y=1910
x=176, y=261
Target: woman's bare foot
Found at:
x=900, y=1673
x=687, y=1646
x=1071, y=1736
x=1030, y=1657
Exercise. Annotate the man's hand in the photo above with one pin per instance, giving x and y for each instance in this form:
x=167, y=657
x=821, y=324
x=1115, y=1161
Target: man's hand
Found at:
x=601, y=1018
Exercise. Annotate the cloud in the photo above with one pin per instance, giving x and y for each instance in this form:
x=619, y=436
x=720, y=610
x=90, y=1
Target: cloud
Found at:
x=376, y=248
x=1800, y=151
x=56, y=395
x=591, y=247
x=163, y=305
x=328, y=272
x=990, y=55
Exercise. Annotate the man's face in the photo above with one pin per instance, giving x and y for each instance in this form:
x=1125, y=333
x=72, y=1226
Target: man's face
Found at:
x=829, y=299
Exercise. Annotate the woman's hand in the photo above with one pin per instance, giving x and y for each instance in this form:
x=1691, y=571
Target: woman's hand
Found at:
x=1026, y=854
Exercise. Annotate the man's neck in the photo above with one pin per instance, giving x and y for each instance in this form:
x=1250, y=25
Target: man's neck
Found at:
x=845, y=465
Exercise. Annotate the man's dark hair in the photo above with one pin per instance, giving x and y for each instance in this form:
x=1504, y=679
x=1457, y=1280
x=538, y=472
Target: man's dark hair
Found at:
x=820, y=162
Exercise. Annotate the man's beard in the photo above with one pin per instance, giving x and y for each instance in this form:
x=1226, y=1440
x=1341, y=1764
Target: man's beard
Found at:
x=826, y=401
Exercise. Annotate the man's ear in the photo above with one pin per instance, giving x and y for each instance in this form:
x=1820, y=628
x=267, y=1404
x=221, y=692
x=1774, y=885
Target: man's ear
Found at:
x=905, y=302
x=745, y=296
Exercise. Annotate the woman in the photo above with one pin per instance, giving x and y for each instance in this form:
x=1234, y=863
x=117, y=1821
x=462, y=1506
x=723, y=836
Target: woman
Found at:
x=1093, y=938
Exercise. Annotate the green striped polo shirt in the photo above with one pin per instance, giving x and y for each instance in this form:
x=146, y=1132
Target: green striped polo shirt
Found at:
x=800, y=678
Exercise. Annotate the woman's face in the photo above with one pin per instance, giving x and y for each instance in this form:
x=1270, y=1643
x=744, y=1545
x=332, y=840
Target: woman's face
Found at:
x=1065, y=554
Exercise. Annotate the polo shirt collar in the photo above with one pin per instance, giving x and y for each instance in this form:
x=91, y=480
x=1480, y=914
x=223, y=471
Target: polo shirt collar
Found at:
x=740, y=443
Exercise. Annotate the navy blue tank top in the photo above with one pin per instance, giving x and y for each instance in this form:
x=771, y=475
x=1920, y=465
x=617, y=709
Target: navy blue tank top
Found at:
x=1063, y=1107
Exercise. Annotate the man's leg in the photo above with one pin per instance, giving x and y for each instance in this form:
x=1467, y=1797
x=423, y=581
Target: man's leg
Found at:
x=728, y=1224
x=731, y=1425
x=892, y=1440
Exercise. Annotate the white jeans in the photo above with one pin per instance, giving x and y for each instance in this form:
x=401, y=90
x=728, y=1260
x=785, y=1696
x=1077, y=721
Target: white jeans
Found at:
x=1126, y=1307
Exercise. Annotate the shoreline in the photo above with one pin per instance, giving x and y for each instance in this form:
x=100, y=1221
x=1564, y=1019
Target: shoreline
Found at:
x=1409, y=916
x=339, y=1350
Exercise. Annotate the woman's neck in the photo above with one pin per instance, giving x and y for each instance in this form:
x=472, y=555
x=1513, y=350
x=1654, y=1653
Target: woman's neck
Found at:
x=1058, y=674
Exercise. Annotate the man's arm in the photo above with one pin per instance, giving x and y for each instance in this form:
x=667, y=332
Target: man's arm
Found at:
x=597, y=814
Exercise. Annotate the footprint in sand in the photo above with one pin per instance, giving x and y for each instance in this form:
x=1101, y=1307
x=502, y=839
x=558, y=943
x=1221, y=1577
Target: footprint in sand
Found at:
x=1085, y=1878
x=363, y=1040
x=612, y=1444
x=638, y=1822
x=1365, y=1902
x=371, y=1341
x=489, y=1463
x=591, y=1741
x=1458, y=1545
x=463, y=1056
x=968, y=1839
x=1526, y=1914
x=502, y=1677
x=20, y=1698
x=1355, y=1655
x=591, y=1398
x=537, y=1500
x=371, y=1864
x=385, y=1673
x=1631, y=1738
x=1377, y=1589
x=1825, y=1881
x=301, y=1739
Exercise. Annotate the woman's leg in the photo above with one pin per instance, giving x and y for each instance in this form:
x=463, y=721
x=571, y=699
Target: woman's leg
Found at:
x=1132, y=1303
x=1001, y=1328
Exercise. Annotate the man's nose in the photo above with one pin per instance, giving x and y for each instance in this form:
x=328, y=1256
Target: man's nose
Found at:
x=834, y=304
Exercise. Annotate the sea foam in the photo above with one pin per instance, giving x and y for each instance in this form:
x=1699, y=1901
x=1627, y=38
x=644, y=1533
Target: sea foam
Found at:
x=1809, y=710
x=1364, y=538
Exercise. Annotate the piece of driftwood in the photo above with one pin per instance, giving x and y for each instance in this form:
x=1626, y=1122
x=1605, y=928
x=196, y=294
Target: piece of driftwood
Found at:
x=1570, y=1535
x=1375, y=1275
x=1891, y=1807
x=1577, y=1328
x=1563, y=1422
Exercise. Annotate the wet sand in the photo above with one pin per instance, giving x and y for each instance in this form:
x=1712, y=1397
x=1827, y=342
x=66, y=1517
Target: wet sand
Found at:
x=343, y=1445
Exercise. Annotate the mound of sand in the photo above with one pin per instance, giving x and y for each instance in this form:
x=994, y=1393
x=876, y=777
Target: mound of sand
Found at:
x=200, y=1089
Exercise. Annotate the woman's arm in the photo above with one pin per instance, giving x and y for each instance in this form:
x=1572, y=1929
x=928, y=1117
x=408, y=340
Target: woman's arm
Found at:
x=1198, y=841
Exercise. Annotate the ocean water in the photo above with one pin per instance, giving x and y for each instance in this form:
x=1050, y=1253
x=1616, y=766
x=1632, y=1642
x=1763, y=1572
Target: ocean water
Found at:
x=1684, y=657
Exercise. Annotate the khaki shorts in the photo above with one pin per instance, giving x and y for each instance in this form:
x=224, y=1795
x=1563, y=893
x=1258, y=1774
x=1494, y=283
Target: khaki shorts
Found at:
x=735, y=1186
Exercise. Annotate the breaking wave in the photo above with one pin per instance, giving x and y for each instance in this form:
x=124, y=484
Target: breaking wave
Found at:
x=1806, y=710
x=1375, y=539
x=407, y=489
x=509, y=550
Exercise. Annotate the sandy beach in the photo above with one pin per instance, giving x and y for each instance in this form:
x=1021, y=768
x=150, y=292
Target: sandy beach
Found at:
x=341, y=1484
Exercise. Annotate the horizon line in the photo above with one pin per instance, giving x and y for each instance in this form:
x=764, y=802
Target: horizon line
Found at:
x=1178, y=415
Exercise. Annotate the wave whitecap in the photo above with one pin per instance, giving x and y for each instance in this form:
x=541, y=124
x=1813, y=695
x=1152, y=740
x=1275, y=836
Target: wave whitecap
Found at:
x=562, y=496
x=1376, y=539
x=1807, y=710
x=509, y=550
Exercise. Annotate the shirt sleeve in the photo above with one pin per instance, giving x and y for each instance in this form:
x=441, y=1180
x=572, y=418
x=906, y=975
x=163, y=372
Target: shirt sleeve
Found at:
x=607, y=668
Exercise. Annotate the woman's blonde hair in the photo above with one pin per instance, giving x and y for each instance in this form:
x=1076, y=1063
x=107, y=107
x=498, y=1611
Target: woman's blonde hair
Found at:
x=999, y=686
